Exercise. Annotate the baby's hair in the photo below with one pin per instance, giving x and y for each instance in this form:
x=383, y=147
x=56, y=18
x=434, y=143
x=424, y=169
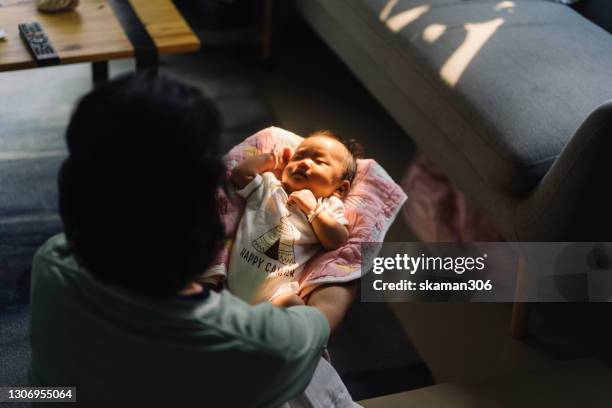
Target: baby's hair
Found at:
x=353, y=147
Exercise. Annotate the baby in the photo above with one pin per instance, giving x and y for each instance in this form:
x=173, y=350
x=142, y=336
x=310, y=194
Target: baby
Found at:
x=294, y=207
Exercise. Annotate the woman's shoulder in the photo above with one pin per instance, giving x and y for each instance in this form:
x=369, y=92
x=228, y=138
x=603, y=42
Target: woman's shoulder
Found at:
x=56, y=250
x=58, y=241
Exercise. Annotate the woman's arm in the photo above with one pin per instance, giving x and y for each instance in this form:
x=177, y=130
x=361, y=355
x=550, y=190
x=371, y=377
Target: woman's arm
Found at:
x=333, y=301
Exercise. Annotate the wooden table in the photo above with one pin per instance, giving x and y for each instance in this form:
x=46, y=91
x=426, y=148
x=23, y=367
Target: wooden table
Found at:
x=99, y=31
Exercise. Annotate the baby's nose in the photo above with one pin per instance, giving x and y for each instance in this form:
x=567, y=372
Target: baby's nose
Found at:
x=305, y=163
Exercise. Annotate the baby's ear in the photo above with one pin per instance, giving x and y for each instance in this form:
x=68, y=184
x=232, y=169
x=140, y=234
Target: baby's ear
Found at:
x=343, y=189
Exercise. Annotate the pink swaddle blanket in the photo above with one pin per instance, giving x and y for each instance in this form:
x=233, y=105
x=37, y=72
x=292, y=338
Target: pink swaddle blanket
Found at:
x=371, y=206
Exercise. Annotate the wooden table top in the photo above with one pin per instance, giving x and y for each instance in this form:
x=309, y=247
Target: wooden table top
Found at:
x=92, y=32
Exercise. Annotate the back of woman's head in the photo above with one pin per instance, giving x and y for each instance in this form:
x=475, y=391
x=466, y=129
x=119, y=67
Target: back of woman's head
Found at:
x=137, y=191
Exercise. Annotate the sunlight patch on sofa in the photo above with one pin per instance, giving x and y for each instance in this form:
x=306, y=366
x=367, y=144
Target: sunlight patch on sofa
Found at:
x=433, y=32
x=504, y=5
x=400, y=20
x=477, y=36
x=386, y=11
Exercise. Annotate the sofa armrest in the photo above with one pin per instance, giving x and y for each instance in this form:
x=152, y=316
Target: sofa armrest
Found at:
x=573, y=200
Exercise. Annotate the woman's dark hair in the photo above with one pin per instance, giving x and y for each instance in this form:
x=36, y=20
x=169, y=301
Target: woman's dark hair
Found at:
x=138, y=189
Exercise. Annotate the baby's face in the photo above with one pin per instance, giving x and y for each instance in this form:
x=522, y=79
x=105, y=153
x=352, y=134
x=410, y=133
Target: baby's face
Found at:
x=317, y=164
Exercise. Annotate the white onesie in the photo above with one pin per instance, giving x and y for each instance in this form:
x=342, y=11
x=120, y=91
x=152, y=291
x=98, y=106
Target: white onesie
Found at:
x=273, y=241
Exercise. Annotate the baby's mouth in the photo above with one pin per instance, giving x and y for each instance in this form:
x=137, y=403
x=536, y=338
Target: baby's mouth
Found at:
x=299, y=172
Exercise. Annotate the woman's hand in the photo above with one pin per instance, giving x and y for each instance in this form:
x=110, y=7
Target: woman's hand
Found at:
x=288, y=300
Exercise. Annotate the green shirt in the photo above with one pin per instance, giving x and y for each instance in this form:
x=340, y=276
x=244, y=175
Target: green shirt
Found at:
x=121, y=348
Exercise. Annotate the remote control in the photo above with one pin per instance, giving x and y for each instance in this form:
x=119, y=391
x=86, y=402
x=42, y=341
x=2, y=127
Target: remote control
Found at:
x=38, y=43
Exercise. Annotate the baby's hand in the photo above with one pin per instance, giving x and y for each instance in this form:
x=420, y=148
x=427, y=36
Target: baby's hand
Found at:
x=280, y=161
x=305, y=200
x=287, y=300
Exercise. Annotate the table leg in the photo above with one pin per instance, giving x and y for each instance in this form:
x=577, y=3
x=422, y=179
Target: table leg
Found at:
x=99, y=72
x=147, y=64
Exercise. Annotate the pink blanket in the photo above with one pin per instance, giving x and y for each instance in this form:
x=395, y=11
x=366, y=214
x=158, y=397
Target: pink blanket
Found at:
x=439, y=212
x=371, y=206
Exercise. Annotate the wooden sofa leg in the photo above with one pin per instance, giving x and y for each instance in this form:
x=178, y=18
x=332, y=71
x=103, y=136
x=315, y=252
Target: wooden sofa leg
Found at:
x=520, y=310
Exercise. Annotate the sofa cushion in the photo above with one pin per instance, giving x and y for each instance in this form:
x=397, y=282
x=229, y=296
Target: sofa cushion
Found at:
x=506, y=83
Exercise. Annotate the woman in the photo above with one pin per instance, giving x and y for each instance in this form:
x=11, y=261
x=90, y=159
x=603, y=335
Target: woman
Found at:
x=115, y=310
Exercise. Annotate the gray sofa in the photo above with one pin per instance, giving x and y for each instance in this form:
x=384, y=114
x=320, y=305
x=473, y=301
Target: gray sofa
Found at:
x=509, y=98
